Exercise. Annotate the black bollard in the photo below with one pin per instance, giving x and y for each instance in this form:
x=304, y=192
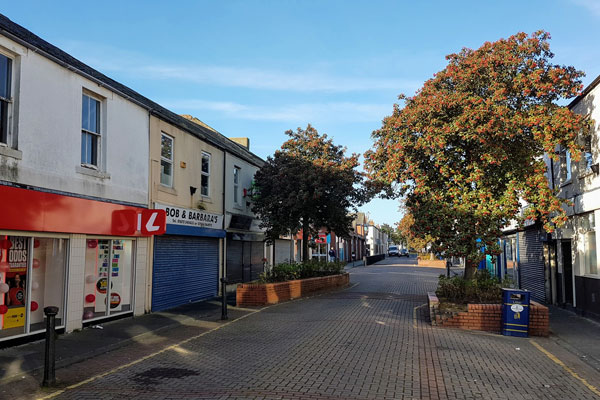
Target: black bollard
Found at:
x=50, y=357
x=224, y=299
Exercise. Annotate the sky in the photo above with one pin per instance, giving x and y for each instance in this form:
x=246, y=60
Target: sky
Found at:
x=258, y=68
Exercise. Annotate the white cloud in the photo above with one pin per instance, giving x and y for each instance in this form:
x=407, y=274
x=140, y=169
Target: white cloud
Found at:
x=253, y=78
x=114, y=60
x=591, y=5
x=334, y=111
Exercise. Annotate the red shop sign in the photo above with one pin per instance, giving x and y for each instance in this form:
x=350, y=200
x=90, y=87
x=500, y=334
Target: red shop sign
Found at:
x=30, y=210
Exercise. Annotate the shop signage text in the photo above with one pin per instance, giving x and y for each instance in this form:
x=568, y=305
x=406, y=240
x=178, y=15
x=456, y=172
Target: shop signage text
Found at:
x=190, y=217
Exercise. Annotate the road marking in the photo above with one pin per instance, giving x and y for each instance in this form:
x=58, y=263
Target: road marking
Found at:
x=176, y=347
x=569, y=370
x=415, y=314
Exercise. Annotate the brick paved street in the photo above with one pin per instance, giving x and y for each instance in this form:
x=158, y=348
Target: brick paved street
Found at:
x=360, y=343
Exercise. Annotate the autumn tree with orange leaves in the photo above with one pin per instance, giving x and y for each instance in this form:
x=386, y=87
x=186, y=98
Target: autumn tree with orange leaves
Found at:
x=469, y=146
x=307, y=185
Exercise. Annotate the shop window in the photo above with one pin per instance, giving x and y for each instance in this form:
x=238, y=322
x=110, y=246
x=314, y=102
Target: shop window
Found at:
x=166, y=160
x=590, y=253
x=108, y=278
x=205, y=175
x=588, y=224
x=30, y=281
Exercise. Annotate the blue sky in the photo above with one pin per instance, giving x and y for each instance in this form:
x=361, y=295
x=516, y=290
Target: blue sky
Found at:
x=258, y=68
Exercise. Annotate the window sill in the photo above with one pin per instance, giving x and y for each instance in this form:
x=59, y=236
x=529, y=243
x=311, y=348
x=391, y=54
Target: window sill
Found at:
x=587, y=173
x=167, y=189
x=9, y=152
x=205, y=199
x=590, y=276
x=92, y=172
x=566, y=183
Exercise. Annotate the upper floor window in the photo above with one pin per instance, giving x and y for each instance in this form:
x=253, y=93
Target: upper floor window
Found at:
x=236, y=186
x=166, y=160
x=5, y=99
x=587, y=151
x=205, y=175
x=567, y=164
x=90, y=131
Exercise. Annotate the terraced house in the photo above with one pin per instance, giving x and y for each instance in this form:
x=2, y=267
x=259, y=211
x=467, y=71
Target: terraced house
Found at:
x=82, y=159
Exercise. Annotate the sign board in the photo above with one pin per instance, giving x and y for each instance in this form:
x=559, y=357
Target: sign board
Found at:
x=191, y=217
x=152, y=222
x=17, y=254
x=322, y=238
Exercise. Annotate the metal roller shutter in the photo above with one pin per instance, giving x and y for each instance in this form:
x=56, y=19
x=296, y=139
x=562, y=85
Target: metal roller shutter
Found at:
x=234, y=261
x=257, y=253
x=186, y=269
x=531, y=264
x=244, y=260
x=282, y=251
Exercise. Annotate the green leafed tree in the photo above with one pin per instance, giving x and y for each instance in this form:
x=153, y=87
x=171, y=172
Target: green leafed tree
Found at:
x=393, y=234
x=469, y=146
x=307, y=185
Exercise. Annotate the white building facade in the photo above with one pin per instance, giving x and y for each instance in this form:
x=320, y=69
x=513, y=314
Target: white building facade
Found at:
x=73, y=170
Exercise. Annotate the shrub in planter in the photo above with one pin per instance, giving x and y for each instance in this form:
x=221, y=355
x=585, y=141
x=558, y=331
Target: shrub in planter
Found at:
x=483, y=288
x=309, y=269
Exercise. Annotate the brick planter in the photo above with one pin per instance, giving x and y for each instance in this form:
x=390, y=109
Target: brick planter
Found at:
x=487, y=317
x=260, y=294
x=432, y=263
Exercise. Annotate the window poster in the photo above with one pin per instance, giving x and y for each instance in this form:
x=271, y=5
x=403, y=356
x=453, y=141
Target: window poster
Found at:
x=103, y=258
x=17, y=254
x=13, y=279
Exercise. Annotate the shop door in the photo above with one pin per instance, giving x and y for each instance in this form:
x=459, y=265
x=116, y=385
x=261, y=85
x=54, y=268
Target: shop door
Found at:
x=234, y=261
x=567, y=271
x=244, y=260
x=550, y=272
x=186, y=269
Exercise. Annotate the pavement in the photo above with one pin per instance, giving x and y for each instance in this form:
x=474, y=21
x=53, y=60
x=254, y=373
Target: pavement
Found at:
x=369, y=341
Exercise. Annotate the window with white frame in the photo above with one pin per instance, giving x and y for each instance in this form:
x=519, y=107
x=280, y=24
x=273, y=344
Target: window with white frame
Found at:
x=5, y=100
x=589, y=235
x=91, y=133
x=205, y=175
x=236, y=186
x=166, y=160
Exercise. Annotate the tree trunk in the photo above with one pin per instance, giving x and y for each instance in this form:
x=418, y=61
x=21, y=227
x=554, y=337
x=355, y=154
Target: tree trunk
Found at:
x=470, y=269
x=304, y=242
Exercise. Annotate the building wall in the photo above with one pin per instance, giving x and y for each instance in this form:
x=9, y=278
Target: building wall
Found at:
x=244, y=205
x=187, y=163
x=47, y=121
x=583, y=191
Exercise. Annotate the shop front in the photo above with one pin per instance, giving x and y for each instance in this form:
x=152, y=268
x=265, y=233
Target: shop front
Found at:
x=245, y=249
x=186, y=259
x=76, y=254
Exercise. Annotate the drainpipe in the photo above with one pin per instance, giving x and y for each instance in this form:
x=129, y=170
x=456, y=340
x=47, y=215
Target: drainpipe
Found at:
x=224, y=240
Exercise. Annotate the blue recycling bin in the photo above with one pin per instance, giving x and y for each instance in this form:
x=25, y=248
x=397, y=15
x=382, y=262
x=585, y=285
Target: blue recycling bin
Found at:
x=515, y=312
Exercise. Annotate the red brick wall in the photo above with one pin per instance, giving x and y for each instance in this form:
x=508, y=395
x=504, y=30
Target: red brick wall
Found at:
x=260, y=294
x=488, y=317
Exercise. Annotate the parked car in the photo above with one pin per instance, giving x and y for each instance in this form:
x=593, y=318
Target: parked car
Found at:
x=393, y=251
x=404, y=253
